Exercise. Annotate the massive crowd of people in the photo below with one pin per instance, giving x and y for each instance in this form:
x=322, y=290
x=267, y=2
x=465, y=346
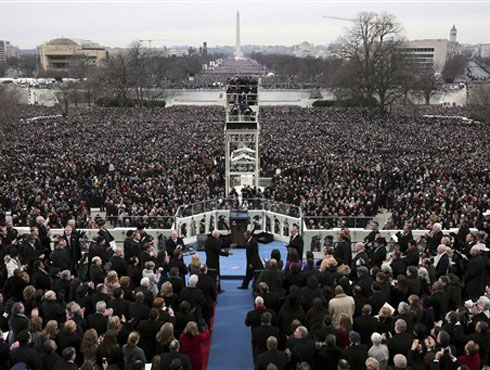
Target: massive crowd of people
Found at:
x=142, y=164
x=421, y=306
x=218, y=81
x=135, y=164
x=343, y=162
x=101, y=306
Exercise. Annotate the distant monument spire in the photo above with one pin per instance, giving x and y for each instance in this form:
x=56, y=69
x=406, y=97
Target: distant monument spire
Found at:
x=238, y=53
x=453, y=34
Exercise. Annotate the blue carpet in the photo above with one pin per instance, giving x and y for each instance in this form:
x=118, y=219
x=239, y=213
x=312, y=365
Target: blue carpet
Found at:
x=234, y=266
x=231, y=347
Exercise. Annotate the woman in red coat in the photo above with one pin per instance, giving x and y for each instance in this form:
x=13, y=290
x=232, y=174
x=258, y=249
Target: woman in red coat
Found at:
x=191, y=344
x=471, y=358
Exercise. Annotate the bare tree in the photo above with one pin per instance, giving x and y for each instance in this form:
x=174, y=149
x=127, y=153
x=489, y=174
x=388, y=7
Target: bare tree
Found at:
x=426, y=82
x=80, y=65
x=454, y=67
x=68, y=94
x=10, y=103
x=118, y=77
x=479, y=99
x=373, y=43
x=139, y=61
x=345, y=83
x=93, y=85
x=148, y=74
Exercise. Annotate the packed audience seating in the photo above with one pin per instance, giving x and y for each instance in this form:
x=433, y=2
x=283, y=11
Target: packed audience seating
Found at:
x=419, y=307
x=234, y=67
x=98, y=306
x=216, y=81
x=141, y=164
x=424, y=305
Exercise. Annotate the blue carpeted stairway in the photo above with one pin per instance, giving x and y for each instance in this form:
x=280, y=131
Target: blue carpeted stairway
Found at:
x=231, y=348
x=230, y=344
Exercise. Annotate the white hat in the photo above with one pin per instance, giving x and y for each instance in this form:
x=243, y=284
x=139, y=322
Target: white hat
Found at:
x=480, y=247
x=486, y=213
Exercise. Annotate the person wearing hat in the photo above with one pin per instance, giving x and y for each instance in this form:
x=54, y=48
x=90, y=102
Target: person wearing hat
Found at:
x=103, y=232
x=364, y=280
x=474, y=278
x=356, y=354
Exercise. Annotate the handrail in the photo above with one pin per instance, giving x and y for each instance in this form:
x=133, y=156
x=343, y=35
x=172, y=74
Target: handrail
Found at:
x=152, y=222
x=234, y=203
x=333, y=221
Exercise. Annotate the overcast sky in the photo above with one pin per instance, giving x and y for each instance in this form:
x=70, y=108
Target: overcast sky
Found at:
x=112, y=23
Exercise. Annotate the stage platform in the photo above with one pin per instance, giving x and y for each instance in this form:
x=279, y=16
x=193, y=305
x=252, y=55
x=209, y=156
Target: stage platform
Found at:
x=234, y=266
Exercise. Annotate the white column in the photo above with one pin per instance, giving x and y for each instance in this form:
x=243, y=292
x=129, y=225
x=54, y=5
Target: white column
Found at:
x=238, y=52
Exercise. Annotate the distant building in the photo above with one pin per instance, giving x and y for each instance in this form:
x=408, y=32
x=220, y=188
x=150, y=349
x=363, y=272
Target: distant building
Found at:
x=433, y=52
x=453, y=34
x=204, y=51
x=484, y=51
x=305, y=49
x=3, y=52
x=8, y=51
x=308, y=50
x=61, y=54
x=175, y=52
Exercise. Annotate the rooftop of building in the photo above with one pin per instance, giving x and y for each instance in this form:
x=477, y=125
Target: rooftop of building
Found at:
x=71, y=42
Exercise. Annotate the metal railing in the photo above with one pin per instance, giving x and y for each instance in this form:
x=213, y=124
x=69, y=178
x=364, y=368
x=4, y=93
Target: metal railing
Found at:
x=149, y=222
x=258, y=204
x=331, y=222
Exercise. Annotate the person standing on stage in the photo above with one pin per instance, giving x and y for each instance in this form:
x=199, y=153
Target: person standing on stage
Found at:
x=253, y=258
x=213, y=251
x=174, y=242
x=296, y=242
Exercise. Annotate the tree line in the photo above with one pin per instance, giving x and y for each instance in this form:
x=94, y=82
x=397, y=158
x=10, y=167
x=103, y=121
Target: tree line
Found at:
x=135, y=77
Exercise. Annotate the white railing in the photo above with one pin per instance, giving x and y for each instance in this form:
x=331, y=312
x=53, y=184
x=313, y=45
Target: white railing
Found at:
x=194, y=220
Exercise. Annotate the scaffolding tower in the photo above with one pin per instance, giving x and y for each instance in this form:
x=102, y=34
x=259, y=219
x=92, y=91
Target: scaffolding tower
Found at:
x=242, y=133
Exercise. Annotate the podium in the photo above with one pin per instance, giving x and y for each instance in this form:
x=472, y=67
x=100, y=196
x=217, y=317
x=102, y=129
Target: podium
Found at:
x=239, y=221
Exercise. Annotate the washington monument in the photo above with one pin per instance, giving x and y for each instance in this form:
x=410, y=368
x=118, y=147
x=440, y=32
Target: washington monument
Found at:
x=238, y=53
